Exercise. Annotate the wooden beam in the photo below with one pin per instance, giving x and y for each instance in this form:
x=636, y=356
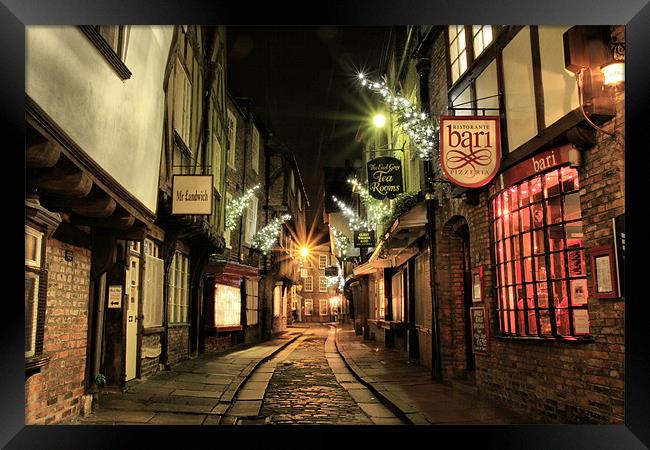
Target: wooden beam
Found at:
x=119, y=221
x=64, y=183
x=96, y=204
x=42, y=155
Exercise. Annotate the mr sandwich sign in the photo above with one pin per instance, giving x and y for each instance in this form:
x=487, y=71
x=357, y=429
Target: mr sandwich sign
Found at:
x=470, y=149
x=192, y=195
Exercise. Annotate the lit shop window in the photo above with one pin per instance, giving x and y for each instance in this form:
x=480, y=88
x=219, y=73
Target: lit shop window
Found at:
x=539, y=255
x=227, y=305
x=179, y=280
x=277, y=301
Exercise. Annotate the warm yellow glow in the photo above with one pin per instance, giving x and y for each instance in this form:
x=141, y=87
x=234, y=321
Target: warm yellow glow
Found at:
x=304, y=252
x=614, y=73
x=379, y=120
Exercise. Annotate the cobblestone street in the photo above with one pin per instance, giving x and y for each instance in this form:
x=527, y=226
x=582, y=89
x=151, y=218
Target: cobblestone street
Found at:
x=304, y=390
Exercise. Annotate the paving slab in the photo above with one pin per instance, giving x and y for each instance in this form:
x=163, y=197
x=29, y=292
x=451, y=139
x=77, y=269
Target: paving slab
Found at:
x=376, y=410
x=177, y=419
x=202, y=393
x=250, y=394
x=245, y=408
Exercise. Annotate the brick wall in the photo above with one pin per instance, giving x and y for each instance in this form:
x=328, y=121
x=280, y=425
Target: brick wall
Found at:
x=55, y=393
x=149, y=365
x=218, y=343
x=177, y=345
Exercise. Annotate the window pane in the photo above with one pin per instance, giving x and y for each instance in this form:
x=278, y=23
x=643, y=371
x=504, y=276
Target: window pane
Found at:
x=572, y=206
x=538, y=242
x=31, y=246
x=574, y=234
x=560, y=298
x=555, y=239
x=507, y=230
x=528, y=269
x=540, y=268
x=569, y=179
x=538, y=215
x=487, y=35
x=551, y=184
x=576, y=263
x=545, y=321
x=525, y=219
x=526, y=244
x=557, y=265
x=508, y=251
x=562, y=321
x=524, y=194
x=542, y=294
x=536, y=189
x=31, y=306
x=553, y=211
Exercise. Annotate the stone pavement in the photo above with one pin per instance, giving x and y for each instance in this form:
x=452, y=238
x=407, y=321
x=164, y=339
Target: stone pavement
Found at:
x=408, y=390
x=196, y=391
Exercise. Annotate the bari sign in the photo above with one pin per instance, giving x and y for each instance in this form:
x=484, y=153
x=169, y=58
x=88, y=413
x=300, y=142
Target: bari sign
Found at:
x=385, y=177
x=470, y=149
x=192, y=195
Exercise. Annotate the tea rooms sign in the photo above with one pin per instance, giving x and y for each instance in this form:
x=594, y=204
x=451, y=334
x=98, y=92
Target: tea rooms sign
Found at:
x=192, y=195
x=470, y=149
x=385, y=177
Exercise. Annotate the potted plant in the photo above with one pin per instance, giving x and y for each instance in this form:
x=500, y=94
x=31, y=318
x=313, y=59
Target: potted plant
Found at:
x=100, y=382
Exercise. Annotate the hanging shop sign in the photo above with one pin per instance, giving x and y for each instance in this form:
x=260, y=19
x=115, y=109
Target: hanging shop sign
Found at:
x=479, y=323
x=385, y=177
x=192, y=195
x=470, y=149
x=364, y=238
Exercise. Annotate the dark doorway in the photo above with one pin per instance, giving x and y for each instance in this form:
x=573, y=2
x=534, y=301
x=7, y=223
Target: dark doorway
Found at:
x=463, y=234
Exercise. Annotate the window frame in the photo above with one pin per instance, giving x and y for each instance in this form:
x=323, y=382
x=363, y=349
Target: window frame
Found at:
x=178, y=312
x=323, y=311
x=152, y=250
x=255, y=150
x=322, y=284
x=34, y=268
x=309, y=285
x=309, y=301
x=320, y=258
x=231, y=140
x=250, y=224
x=509, y=286
x=231, y=303
x=114, y=56
x=252, y=312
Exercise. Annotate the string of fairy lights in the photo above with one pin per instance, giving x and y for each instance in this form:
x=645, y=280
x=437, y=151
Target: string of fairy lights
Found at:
x=266, y=238
x=377, y=209
x=235, y=208
x=356, y=223
x=422, y=130
x=341, y=242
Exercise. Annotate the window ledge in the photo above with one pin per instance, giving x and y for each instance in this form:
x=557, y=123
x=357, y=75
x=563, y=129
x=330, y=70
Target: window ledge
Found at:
x=111, y=57
x=34, y=364
x=582, y=339
x=178, y=325
x=153, y=330
x=225, y=328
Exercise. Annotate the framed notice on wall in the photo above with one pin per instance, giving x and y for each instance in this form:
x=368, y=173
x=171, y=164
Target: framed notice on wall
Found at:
x=479, y=327
x=477, y=284
x=603, y=272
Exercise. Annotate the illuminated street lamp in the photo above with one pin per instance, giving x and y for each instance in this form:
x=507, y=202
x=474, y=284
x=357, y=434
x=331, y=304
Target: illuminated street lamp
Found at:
x=304, y=252
x=379, y=120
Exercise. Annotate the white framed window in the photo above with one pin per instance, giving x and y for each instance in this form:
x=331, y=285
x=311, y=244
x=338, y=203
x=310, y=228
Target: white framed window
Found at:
x=309, y=307
x=309, y=283
x=322, y=284
x=292, y=181
x=216, y=147
x=251, y=220
x=255, y=150
x=252, y=302
x=178, y=288
x=277, y=301
x=397, y=291
x=299, y=201
x=153, y=285
x=227, y=305
x=226, y=233
x=457, y=51
x=482, y=37
x=322, y=261
x=232, y=139
x=322, y=306
x=33, y=251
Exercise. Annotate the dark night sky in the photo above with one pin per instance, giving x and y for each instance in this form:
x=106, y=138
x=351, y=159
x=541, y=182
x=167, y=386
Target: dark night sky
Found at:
x=302, y=82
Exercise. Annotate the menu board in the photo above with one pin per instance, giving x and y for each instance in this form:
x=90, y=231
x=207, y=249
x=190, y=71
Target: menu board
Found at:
x=478, y=320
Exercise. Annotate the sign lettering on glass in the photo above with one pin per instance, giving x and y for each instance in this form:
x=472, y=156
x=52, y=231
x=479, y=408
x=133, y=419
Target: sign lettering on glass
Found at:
x=470, y=149
x=385, y=177
x=192, y=195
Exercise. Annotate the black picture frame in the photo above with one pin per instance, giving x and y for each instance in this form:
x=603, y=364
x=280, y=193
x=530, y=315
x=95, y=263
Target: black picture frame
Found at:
x=15, y=14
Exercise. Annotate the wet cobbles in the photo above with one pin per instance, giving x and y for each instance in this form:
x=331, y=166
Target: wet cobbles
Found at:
x=304, y=390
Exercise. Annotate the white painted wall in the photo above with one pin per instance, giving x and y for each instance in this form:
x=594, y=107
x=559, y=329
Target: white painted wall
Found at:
x=118, y=123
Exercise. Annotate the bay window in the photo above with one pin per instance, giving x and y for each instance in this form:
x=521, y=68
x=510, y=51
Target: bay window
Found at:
x=539, y=257
x=35, y=284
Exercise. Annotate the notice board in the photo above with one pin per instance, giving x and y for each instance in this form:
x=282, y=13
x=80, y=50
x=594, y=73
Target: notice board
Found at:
x=478, y=318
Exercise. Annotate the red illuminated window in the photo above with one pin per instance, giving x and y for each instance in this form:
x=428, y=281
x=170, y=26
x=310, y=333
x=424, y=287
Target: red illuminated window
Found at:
x=539, y=257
